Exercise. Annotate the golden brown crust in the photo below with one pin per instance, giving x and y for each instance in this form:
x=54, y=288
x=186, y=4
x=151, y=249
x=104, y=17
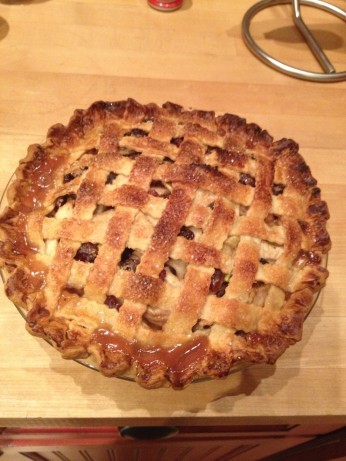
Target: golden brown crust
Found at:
x=168, y=243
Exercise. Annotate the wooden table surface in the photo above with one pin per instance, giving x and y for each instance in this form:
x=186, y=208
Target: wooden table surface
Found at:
x=57, y=55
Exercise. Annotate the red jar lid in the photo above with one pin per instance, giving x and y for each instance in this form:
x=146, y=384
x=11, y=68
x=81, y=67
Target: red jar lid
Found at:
x=168, y=5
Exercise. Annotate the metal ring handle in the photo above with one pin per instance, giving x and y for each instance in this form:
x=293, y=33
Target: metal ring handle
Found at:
x=331, y=76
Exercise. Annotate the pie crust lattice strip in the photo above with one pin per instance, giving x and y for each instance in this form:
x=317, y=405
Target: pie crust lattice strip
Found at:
x=166, y=244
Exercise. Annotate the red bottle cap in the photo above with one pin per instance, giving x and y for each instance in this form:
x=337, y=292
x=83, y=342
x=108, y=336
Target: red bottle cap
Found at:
x=168, y=5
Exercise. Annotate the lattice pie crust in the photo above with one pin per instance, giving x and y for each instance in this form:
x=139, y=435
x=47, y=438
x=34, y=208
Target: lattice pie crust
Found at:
x=167, y=244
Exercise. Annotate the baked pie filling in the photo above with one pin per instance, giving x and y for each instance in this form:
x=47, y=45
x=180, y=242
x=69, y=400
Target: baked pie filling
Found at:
x=165, y=244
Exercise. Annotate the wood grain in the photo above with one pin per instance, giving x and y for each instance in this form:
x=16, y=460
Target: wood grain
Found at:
x=59, y=55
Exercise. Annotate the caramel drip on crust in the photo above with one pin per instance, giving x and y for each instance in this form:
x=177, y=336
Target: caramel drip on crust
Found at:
x=28, y=279
x=38, y=177
x=22, y=283
x=178, y=361
x=20, y=244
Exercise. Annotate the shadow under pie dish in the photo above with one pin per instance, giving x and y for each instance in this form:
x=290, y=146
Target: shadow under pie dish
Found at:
x=165, y=244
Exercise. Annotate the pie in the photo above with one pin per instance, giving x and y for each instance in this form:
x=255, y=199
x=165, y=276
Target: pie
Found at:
x=164, y=244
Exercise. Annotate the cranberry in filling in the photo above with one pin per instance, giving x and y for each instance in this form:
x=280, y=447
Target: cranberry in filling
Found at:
x=110, y=178
x=218, y=283
x=74, y=290
x=162, y=274
x=87, y=252
x=167, y=160
x=210, y=149
x=247, y=180
x=264, y=261
x=92, y=151
x=177, y=141
x=113, y=302
x=278, y=189
x=186, y=233
x=137, y=133
x=240, y=333
x=68, y=177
